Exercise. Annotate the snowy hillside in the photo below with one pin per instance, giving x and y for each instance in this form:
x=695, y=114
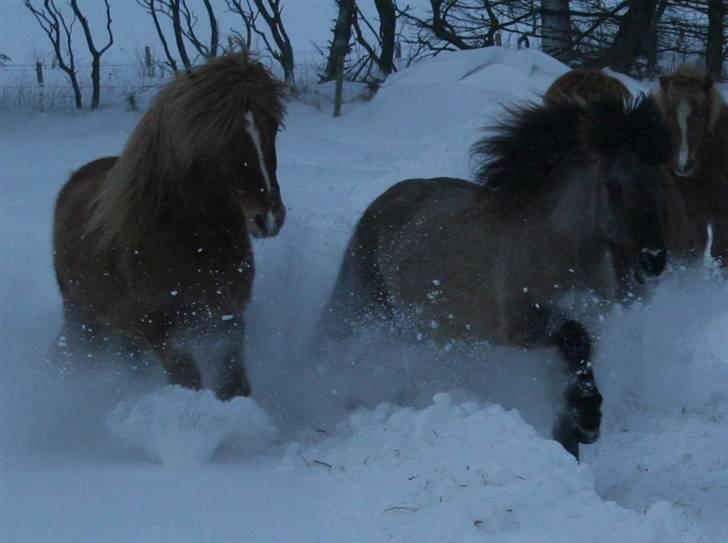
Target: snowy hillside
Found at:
x=378, y=441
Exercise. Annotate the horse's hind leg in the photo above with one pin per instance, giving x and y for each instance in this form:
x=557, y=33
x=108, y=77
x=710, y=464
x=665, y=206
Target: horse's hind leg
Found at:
x=359, y=294
x=580, y=419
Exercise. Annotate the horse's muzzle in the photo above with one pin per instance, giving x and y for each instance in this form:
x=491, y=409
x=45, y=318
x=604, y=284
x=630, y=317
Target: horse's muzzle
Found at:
x=685, y=170
x=268, y=225
x=652, y=261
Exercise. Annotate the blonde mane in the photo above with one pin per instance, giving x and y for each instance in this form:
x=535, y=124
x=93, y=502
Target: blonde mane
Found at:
x=690, y=75
x=197, y=113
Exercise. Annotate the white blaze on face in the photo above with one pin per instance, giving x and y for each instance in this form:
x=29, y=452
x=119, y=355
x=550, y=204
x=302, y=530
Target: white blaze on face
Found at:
x=254, y=134
x=683, y=112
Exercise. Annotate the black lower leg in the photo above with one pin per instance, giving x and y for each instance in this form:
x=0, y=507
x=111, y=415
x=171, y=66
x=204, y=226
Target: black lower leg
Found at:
x=234, y=380
x=580, y=420
x=181, y=370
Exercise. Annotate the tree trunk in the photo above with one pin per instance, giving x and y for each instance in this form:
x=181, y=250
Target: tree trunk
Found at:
x=342, y=37
x=76, y=90
x=214, y=33
x=714, y=51
x=96, y=81
x=630, y=40
x=556, y=28
x=387, y=31
x=178, y=35
x=652, y=38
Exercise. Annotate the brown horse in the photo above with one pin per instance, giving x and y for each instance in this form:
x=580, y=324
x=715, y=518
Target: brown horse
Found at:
x=568, y=211
x=698, y=118
x=587, y=85
x=153, y=245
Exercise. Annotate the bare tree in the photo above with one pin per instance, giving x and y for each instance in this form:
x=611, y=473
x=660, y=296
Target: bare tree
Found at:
x=339, y=45
x=464, y=24
x=278, y=44
x=174, y=7
x=715, y=53
x=631, y=38
x=381, y=54
x=556, y=28
x=60, y=34
x=184, y=23
x=387, y=34
x=96, y=53
x=153, y=8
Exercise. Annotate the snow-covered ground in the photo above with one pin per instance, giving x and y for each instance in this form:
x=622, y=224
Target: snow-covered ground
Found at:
x=378, y=441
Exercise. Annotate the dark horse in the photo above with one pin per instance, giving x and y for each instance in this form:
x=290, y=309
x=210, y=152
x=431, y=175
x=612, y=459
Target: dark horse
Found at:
x=698, y=118
x=568, y=210
x=153, y=246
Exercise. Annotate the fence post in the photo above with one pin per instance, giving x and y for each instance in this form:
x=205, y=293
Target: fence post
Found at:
x=41, y=85
x=148, y=61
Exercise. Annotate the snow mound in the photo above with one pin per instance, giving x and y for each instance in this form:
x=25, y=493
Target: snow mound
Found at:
x=479, y=68
x=181, y=427
x=465, y=472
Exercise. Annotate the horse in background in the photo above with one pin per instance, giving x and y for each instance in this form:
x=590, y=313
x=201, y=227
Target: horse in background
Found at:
x=153, y=246
x=568, y=208
x=586, y=84
x=697, y=115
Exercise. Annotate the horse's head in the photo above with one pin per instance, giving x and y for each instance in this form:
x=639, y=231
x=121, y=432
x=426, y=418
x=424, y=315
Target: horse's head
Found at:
x=636, y=231
x=690, y=105
x=240, y=112
x=255, y=185
x=633, y=147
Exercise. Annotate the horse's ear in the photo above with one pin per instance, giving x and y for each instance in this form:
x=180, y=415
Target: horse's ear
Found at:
x=708, y=82
x=665, y=81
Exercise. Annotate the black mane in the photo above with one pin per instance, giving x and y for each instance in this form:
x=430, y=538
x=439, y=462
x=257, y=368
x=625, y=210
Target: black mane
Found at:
x=519, y=156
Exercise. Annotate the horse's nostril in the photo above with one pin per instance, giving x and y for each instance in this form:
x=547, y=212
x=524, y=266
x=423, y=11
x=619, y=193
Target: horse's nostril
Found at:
x=260, y=222
x=653, y=261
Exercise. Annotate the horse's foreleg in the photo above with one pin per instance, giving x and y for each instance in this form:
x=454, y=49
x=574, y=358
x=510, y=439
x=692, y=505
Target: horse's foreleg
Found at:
x=581, y=418
x=177, y=361
x=233, y=378
x=719, y=246
x=81, y=335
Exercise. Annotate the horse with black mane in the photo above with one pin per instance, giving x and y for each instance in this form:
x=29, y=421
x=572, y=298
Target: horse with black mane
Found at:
x=569, y=207
x=697, y=115
x=153, y=246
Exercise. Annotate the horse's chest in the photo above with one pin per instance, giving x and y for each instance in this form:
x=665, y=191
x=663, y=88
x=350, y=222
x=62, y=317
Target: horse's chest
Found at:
x=196, y=273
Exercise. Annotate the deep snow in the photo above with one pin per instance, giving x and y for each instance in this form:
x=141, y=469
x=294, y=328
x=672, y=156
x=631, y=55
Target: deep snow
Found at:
x=376, y=441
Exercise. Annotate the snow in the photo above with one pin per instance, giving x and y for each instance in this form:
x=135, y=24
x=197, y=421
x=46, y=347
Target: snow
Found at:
x=381, y=439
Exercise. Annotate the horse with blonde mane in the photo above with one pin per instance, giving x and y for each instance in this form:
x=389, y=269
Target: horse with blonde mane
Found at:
x=697, y=115
x=153, y=246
